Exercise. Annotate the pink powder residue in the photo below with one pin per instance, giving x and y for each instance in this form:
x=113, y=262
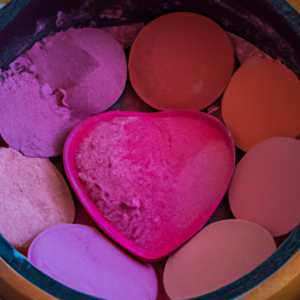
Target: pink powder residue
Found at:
x=154, y=177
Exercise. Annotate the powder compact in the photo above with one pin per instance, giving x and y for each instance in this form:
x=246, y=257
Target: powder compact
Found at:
x=150, y=151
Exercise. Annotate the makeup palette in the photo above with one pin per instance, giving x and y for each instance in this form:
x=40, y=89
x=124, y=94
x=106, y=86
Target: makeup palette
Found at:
x=153, y=181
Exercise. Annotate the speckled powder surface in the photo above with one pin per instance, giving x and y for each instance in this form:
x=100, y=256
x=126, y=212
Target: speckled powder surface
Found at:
x=153, y=178
x=83, y=259
x=33, y=197
x=59, y=82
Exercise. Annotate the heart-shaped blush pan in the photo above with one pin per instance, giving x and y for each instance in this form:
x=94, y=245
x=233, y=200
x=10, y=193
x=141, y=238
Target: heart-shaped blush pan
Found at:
x=150, y=180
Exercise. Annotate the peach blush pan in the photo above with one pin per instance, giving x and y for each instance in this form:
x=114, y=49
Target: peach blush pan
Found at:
x=81, y=258
x=34, y=196
x=181, y=60
x=150, y=181
x=218, y=255
x=265, y=186
x=261, y=101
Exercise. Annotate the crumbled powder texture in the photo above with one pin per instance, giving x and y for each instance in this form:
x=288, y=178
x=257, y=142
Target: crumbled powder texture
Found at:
x=60, y=81
x=112, y=13
x=34, y=197
x=153, y=178
x=244, y=49
x=125, y=34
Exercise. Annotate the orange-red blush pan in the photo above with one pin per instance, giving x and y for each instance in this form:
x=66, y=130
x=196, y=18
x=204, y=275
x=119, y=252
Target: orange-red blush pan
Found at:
x=181, y=61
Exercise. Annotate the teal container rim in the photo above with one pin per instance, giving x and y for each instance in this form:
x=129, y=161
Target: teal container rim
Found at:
x=14, y=34
x=279, y=258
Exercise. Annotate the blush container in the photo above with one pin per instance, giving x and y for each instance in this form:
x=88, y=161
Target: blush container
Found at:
x=271, y=25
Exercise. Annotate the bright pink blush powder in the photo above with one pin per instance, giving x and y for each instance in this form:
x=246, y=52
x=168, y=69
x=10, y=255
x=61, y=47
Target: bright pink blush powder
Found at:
x=156, y=177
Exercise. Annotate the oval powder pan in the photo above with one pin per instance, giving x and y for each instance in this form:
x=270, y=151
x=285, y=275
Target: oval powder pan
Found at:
x=265, y=186
x=261, y=101
x=216, y=256
x=182, y=192
x=81, y=258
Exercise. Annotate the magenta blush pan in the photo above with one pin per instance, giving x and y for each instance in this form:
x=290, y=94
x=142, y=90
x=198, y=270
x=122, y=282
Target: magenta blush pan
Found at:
x=150, y=181
x=265, y=186
x=81, y=258
x=216, y=256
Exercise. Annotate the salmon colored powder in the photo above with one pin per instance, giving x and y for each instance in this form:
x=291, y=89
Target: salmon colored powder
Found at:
x=219, y=254
x=181, y=61
x=265, y=186
x=262, y=100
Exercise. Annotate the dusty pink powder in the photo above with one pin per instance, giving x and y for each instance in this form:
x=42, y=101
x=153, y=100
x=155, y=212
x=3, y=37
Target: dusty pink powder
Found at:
x=150, y=175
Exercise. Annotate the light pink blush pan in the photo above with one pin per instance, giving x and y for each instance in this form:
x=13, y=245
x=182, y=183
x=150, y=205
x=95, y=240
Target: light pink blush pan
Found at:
x=81, y=258
x=218, y=255
x=265, y=187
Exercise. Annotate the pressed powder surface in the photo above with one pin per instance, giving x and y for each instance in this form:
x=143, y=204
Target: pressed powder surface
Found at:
x=34, y=197
x=219, y=254
x=60, y=81
x=262, y=100
x=265, y=186
x=83, y=259
x=155, y=177
x=181, y=61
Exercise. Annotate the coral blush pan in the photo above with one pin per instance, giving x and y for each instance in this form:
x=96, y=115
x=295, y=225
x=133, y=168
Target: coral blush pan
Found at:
x=265, y=186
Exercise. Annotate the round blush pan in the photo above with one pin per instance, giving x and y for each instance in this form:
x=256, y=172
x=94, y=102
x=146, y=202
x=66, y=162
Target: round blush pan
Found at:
x=181, y=61
x=62, y=80
x=265, y=186
x=216, y=256
x=261, y=101
x=81, y=258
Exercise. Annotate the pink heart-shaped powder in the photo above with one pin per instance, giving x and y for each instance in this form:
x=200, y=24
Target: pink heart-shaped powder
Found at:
x=150, y=181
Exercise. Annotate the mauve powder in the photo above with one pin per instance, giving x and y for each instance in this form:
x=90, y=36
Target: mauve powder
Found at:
x=60, y=81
